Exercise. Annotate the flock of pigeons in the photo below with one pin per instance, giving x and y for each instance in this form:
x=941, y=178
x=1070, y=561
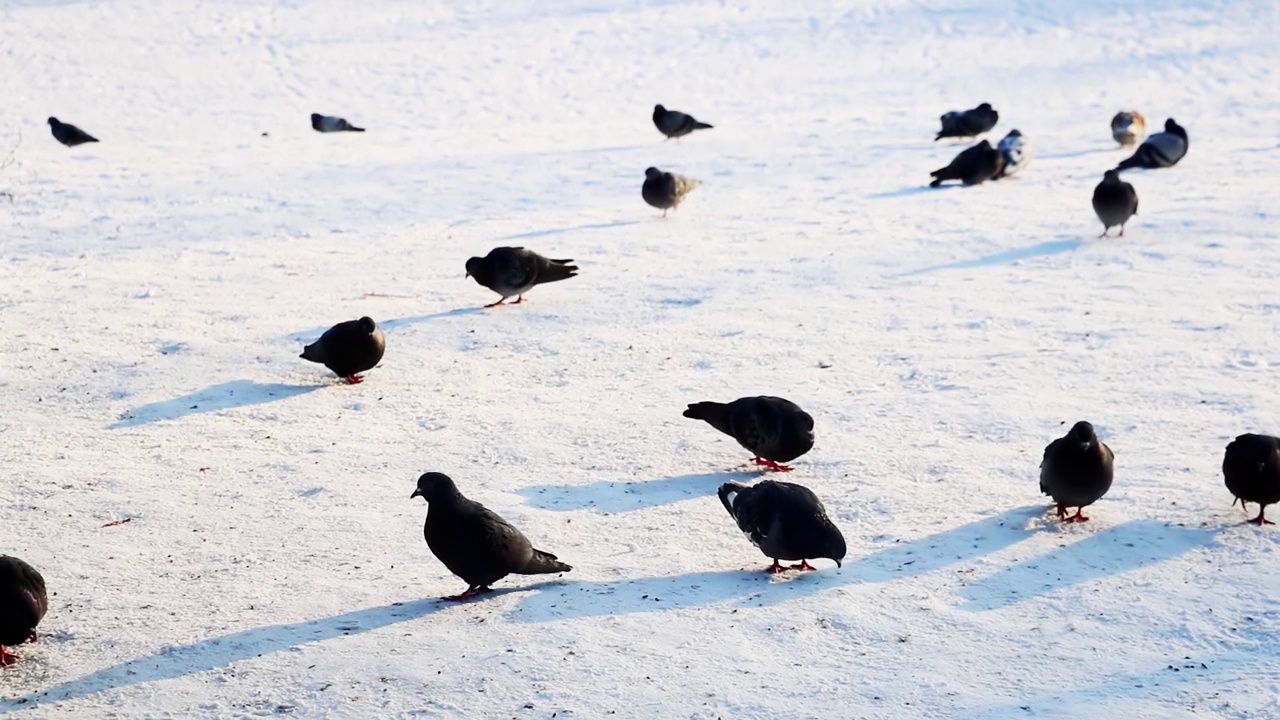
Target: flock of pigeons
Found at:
x=786, y=521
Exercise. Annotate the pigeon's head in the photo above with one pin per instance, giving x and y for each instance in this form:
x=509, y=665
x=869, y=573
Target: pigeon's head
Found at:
x=985, y=144
x=1015, y=133
x=652, y=173
x=1170, y=125
x=475, y=267
x=659, y=110
x=1111, y=176
x=53, y=121
x=367, y=324
x=434, y=486
x=984, y=106
x=831, y=544
x=1082, y=432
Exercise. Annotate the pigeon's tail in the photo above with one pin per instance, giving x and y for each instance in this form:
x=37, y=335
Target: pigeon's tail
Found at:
x=353, y=128
x=544, y=563
x=558, y=270
x=728, y=493
x=314, y=353
x=1128, y=163
x=702, y=126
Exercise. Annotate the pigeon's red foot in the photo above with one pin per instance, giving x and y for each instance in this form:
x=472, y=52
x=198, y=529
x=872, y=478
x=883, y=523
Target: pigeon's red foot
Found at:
x=496, y=304
x=1062, y=512
x=772, y=465
x=1261, y=520
x=804, y=565
x=7, y=658
x=1078, y=517
x=354, y=379
x=775, y=568
x=470, y=593
x=1104, y=233
x=32, y=637
x=519, y=299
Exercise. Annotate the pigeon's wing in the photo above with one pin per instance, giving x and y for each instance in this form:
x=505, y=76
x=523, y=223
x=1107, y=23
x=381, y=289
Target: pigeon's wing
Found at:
x=1167, y=148
x=475, y=543
x=519, y=269
x=754, y=510
x=756, y=424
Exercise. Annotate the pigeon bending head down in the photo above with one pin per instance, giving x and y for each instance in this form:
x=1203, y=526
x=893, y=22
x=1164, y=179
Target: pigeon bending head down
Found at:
x=774, y=429
x=23, y=603
x=349, y=348
x=785, y=521
x=516, y=270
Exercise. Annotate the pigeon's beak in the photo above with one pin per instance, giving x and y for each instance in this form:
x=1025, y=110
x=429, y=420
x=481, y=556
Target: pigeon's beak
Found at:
x=416, y=493
x=467, y=276
x=838, y=564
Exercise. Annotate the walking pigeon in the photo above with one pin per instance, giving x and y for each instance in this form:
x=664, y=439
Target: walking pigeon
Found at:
x=1115, y=201
x=776, y=430
x=69, y=134
x=1162, y=150
x=1015, y=152
x=967, y=123
x=1076, y=471
x=328, y=124
x=514, y=271
x=1128, y=127
x=674, y=124
x=348, y=348
x=473, y=542
x=23, y=602
x=1251, y=469
x=665, y=190
x=786, y=521
x=973, y=166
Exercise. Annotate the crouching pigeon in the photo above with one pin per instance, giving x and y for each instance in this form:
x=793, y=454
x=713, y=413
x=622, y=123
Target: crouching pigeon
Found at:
x=23, y=602
x=515, y=271
x=973, y=166
x=1015, y=153
x=786, y=521
x=774, y=429
x=1076, y=471
x=674, y=124
x=665, y=190
x=1251, y=469
x=1162, y=150
x=328, y=124
x=967, y=123
x=1115, y=201
x=349, y=348
x=1128, y=127
x=69, y=134
x=473, y=542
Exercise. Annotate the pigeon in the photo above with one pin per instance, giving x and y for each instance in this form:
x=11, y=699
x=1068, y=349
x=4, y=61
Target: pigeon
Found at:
x=348, y=348
x=786, y=521
x=1162, y=150
x=967, y=123
x=473, y=542
x=674, y=124
x=1115, y=201
x=328, y=124
x=973, y=166
x=1016, y=153
x=23, y=602
x=69, y=134
x=1128, y=127
x=665, y=190
x=1076, y=471
x=776, y=430
x=1251, y=468
x=514, y=271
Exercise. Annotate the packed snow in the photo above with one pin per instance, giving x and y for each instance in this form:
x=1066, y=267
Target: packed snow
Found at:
x=226, y=529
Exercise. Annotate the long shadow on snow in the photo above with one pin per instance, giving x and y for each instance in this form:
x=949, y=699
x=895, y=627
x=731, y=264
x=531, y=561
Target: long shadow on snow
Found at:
x=1051, y=247
x=754, y=588
x=913, y=190
x=310, y=336
x=217, y=652
x=576, y=228
x=1128, y=546
x=233, y=394
x=624, y=496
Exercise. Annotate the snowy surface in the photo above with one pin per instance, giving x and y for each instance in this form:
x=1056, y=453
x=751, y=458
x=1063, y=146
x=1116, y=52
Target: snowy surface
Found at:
x=156, y=288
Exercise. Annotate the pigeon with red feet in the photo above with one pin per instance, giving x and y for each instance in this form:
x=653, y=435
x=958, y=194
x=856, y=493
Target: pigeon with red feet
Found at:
x=1114, y=201
x=473, y=541
x=1251, y=468
x=1076, y=471
x=23, y=602
x=777, y=431
x=515, y=271
x=674, y=123
x=786, y=521
x=349, y=348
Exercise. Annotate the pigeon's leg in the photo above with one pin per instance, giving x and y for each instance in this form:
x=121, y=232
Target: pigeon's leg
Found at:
x=776, y=568
x=1122, y=231
x=772, y=465
x=471, y=592
x=32, y=637
x=7, y=658
x=496, y=304
x=1078, y=517
x=519, y=299
x=354, y=379
x=1104, y=232
x=1261, y=519
x=804, y=565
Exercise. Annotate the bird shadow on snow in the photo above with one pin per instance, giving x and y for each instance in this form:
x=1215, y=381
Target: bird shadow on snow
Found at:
x=624, y=496
x=1117, y=549
x=576, y=228
x=1051, y=247
x=757, y=588
x=309, y=336
x=913, y=190
x=174, y=662
x=233, y=394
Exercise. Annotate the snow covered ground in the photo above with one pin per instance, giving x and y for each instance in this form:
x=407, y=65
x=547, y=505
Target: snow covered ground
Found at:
x=156, y=288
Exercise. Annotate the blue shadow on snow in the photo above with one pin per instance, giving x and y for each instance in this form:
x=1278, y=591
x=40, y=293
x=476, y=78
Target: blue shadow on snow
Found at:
x=1051, y=247
x=576, y=228
x=233, y=394
x=624, y=496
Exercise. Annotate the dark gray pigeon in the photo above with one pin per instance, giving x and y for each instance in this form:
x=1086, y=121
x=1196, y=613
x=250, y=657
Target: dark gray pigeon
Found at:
x=786, y=521
x=515, y=271
x=328, y=124
x=23, y=602
x=674, y=124
x=775, y=430
x=1115, y=201
x=967, y=123
x=665, y=190
x=1076, y=471
x=69, y=134
x=1251, y=469
x=473, y=542
x=349, y=348
x=973, y=166
x=1162, y=150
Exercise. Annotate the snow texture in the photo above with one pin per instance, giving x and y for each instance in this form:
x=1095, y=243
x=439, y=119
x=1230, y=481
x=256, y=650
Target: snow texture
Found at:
x=226, y=530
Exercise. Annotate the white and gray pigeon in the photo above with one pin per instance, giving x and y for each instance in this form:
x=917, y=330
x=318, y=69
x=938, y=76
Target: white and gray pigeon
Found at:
x=69, y=134
x=516, y=270
x=665, y=190
x=328, y=124
x=1128, y=127
x=785, y=521
x=1162, y=150
x=675, y=124
x=473, y=541
x=1016, y=150
x=774, y=429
